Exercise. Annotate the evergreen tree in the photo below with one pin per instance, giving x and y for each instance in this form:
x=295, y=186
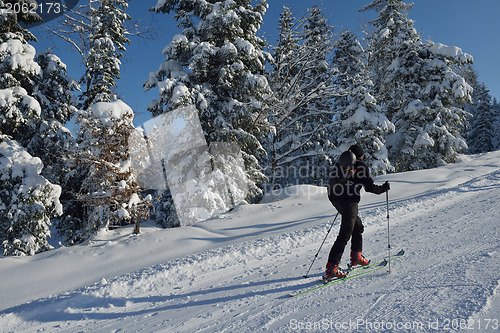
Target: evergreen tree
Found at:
x=300, y=110
x=44, y=78
x=359, y=120
x=107, y=42
x=416, y=85
x=53, y=142
x=395, y=50
x=482, y=135
x=108, y=188
x=53, y=89
x=215, y=64
x=428, y=128
x=17, y=70
x=27, y=201
x=470, y=76
x=109, y=191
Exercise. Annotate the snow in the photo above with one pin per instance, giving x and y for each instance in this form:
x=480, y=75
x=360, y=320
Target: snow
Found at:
x=385, y=33
x=423, y=140
x=20, y=55
x=234, y=273
x=107, y=110
x=451, y=52
x=9, y=96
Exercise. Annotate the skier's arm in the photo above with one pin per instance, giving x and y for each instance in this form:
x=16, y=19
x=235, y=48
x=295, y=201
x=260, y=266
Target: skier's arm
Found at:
x=368, y=183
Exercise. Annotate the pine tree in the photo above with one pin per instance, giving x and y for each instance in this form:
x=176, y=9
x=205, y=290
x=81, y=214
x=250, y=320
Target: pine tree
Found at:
x=482, y=135
x=394, y=55
x=109, y=190
x=429, y=127
x=300, y=110
x=215, y=64
x=107, y=42
x=53, y=142
x=17, y=70
x=417, y=87
x=53, y=89
x=45, y=79
x=28, y=201
x=359, y=120
x=471, y=77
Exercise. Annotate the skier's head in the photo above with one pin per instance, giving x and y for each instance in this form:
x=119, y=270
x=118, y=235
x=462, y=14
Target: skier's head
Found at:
x=347, y=160
x=358, y=151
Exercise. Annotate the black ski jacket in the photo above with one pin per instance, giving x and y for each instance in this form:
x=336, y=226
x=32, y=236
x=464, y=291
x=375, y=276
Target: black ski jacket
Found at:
x=346, y=186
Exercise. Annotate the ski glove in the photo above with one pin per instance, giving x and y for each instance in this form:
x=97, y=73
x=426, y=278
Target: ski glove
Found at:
x=386, y=187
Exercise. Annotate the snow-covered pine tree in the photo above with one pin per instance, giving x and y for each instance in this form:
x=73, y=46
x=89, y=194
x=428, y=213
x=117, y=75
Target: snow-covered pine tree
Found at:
x=53, y=89
x=53, y=142
x=27, y=200
x=394, y=55
x=17, y=69
x=216, y=65
x=359, y=120
x=471, y=77
x=482, y=133
x=428, y=128
x=107, y=42
x=109, y=190
x=417, y=87
x=300, y=109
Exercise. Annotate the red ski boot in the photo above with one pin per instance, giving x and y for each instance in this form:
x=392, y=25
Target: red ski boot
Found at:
x=358, y=259
x=333, y=271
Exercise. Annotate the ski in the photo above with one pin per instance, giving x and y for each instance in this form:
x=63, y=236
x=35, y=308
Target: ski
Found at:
x=358, y=271
x=355, y=268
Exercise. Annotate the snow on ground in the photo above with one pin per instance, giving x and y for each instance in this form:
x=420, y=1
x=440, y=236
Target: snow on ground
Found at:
x=234, y=273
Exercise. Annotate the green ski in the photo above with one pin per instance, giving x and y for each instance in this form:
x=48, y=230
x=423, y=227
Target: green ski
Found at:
x=358, y=271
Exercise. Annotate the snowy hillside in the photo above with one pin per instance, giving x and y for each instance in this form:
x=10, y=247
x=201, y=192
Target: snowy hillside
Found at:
x=234, y=273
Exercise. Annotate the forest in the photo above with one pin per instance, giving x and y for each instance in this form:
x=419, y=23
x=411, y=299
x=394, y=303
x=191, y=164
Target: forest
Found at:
x=236, y=116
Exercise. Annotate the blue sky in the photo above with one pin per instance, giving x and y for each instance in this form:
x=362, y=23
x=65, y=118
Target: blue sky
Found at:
x=473, y=26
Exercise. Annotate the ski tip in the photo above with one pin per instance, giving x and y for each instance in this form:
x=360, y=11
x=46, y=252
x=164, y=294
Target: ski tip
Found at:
x=400, y=253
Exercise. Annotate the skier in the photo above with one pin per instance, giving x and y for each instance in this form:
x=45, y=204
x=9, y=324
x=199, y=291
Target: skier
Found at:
x=348, y=176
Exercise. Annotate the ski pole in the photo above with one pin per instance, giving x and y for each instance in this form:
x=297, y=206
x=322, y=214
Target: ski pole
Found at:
x=388, y=231
x=321, y=245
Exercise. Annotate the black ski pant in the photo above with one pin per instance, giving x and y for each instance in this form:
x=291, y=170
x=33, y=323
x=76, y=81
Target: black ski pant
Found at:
x=350, y=227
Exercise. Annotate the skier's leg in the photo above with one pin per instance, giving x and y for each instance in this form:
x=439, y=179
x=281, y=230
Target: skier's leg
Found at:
x=349, y=214
x=357, y=235
x=357, y=257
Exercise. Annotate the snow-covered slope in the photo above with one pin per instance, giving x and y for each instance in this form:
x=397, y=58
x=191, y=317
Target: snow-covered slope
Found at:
x=234, y=273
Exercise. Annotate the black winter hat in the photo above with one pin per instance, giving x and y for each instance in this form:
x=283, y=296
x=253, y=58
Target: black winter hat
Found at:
x=357, y=150
x=347, y=160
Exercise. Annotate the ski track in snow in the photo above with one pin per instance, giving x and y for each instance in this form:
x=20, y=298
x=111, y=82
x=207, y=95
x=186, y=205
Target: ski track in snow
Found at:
x=448, y=279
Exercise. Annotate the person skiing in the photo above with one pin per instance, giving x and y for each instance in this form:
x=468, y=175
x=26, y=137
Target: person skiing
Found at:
x=347, y=178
